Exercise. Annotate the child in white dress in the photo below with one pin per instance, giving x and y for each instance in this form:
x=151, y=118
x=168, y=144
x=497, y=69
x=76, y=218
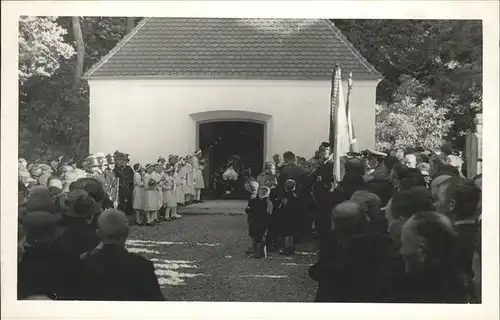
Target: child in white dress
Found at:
x=138, y=194
x=150, y=203
x=184, y=176
x=189, y=186
x=179, y=183
x=158, y=176
x=169, y=195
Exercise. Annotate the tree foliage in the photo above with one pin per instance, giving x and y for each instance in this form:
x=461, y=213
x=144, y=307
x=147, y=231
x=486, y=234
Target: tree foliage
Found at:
x=53, y=113
x=409, y=123
x=41, y=47
x=444, y=56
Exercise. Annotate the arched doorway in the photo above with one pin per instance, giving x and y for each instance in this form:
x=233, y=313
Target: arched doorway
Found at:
x=221, y=139
x=222, y=133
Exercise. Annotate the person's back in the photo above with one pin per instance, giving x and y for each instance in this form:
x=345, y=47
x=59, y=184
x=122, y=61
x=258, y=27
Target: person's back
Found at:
x=46, y=268
x=429, y=246
x=114, y=274
x=467, y=198
x=351, y=261
x=111, y=272
x=351, y=271
x=78, y=236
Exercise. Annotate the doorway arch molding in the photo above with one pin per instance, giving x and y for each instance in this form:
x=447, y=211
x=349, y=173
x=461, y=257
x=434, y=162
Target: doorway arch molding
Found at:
x=235, y=115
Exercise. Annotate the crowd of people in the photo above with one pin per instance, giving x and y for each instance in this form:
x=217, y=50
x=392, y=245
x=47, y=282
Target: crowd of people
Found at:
x=399, y=226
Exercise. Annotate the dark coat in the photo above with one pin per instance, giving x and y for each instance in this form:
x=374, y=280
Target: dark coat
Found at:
x=288, y=214
x=259, y=217
x=114, y=274
x=322, y=187
x=352, y=272
x=78, y=237
x=467, y=235
x=431, y=286
x=294, y=172
x=48, y=269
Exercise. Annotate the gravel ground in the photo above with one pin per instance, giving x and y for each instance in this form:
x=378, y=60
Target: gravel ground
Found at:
x=202, y=258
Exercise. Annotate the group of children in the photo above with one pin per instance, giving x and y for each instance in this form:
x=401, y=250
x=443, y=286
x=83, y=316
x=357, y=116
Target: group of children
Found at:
x=160, y=188
x=278, y=213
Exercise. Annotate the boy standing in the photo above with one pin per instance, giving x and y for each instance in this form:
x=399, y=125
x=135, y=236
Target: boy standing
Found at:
x=259, y=215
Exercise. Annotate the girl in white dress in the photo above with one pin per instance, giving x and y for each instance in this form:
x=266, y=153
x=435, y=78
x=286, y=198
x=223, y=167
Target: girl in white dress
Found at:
x=159, y=177
x=184, y=176
x=179, y=183
x=189, y=190
x=138, y=194
x=150, y=202
x=199, y=183
x=169, y=195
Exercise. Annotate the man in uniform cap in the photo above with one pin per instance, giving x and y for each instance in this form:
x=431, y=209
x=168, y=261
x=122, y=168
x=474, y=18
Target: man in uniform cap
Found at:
x=375, y=165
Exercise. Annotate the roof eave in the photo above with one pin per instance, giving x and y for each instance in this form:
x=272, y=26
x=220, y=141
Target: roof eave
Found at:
x=113, y=51
x=225, y=77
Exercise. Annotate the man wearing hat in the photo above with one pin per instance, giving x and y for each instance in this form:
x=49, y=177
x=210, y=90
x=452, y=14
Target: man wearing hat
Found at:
x=46, y=268
x=111, y=179
x=125, y=175
x=79, y=231
x=114, y=274
x=375, y=165
x=323, y=186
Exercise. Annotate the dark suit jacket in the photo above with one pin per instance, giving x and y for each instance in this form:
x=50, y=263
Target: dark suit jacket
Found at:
x=78, y=237
x=114, y=274
x=294, y=172
x=352, y=272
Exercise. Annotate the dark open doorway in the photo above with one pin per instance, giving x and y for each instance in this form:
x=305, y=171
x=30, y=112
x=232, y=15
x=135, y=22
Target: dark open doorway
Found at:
x=220, y=140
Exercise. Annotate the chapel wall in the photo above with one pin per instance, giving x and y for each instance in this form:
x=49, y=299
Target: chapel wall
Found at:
x=148, y=118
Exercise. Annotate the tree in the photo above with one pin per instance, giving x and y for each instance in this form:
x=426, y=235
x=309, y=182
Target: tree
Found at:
x=130, y=24
x=41, y=47
x=53, y=111
x=444, y=56
x=80, y=50
x=409, y=123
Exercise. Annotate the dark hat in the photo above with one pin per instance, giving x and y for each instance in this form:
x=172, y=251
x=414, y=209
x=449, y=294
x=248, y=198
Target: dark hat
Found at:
x=110, y=159
x=354, y=154
x=41, y=226
x=325, y=145
x=375, y=153
x=81, y=205
x=149, y=165
x=93, y=187
x=40, y=199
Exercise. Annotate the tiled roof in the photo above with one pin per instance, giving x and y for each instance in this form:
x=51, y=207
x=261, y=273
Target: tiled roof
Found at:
x=227, y=48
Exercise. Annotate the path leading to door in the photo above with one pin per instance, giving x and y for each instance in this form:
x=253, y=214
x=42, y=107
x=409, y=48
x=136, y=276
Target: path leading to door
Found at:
x=201, y=257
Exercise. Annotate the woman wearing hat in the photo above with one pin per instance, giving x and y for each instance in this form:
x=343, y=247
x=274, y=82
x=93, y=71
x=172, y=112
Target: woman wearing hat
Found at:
x=138, y=194
x=199, y=183
x=151, y=203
